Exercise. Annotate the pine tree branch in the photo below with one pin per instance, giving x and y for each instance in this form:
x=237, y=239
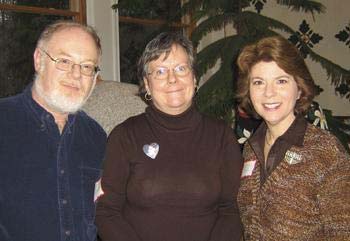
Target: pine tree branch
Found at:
x=226, y=49
x=306, y=6
x=210, y=24
x=335, y=72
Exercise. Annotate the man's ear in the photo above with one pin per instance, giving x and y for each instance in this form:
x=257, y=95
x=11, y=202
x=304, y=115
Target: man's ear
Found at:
x=37, y=60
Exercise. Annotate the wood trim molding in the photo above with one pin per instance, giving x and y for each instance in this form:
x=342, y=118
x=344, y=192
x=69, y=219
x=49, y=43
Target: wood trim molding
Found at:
x=82, y=11
x=153, y=22
x=38, y=10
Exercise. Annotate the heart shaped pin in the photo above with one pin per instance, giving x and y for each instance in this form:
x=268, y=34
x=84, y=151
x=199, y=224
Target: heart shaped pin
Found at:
x=151, y=150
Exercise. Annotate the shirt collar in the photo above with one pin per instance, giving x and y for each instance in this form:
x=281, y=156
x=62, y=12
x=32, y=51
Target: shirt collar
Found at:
x=294, y=134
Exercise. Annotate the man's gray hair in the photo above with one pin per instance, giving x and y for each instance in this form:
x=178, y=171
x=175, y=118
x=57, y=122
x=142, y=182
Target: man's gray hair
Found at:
x=57, y=26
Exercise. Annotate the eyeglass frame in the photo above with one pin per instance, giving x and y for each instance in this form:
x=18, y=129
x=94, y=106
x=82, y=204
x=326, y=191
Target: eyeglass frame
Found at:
x=173, y=69
x=95, y=72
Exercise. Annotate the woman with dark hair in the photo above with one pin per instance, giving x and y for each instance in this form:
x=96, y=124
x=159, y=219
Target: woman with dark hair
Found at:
x=295, y=182
x=171, y=173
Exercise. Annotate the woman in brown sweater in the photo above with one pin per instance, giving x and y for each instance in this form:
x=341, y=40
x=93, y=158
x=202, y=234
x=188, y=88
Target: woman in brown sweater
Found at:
x=295, y=183
x=170, y=174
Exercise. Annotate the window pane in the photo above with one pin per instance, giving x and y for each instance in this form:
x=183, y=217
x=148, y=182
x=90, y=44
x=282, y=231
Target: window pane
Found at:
x=133, y=39
x=19, y=33
x=136, y=33
x=58, y=4
x=151, y=9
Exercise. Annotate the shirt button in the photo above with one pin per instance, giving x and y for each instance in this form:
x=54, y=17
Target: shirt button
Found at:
x=67, y=232
x=64, y=201
x=62, y=171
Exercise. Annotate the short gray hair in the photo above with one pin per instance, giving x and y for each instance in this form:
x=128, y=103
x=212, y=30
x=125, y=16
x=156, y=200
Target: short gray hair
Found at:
x=161, y=44
x=57, y=26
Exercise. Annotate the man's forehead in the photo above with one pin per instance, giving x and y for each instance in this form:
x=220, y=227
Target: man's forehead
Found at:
x=69, y=33
x=73, y=40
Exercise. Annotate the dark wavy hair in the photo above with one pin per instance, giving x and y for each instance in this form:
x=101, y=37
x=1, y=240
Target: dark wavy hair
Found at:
x=287, y=57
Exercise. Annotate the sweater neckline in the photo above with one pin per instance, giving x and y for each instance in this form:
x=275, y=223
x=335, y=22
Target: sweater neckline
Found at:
x=180, y=122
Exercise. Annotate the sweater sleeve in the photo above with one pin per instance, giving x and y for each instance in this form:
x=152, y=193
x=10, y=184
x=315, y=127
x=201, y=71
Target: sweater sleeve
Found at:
x=228, y=226
x=334, y=193
x=109, y=214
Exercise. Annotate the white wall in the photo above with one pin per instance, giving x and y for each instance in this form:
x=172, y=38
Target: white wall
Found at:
x=103, y=18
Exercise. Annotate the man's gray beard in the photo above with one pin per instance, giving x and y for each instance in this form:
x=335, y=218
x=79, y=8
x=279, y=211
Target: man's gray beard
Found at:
x=56, y=101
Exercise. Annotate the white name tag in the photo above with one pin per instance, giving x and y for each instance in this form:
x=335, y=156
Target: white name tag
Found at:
x=248, y=168
x=98, y=190
x=293, y=158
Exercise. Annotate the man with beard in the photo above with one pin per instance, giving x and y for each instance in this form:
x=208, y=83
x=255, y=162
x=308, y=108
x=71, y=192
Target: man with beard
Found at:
x=50, y=151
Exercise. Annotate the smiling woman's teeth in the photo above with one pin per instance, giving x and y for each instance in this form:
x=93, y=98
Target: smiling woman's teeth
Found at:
x=271, y=106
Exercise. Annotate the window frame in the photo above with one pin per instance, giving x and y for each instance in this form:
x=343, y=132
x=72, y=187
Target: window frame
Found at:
x=186, y=23
x=78, y=13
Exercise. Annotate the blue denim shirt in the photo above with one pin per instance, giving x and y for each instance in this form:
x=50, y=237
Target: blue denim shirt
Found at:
x=47, y=179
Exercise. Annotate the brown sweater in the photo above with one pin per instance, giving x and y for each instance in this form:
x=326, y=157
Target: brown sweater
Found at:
x=184, y=192
x=302, y=194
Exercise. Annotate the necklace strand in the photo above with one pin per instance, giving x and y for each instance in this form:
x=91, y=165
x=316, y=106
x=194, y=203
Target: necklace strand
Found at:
x=266, y=139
